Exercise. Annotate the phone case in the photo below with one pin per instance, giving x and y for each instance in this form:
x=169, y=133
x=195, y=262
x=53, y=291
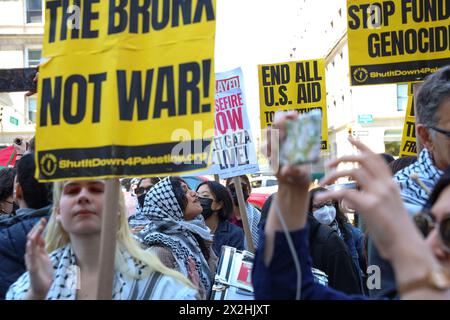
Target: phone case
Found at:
x=303, y=137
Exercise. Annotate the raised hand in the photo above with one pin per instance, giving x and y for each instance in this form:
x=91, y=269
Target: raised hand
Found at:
x=291, y=200
x=379, y=200
x=31, y=92
x=38, y=263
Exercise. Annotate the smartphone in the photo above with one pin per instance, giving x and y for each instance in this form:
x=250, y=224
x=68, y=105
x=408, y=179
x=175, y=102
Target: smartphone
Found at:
x=16, y=80
x=303, y=139
x=339, y=186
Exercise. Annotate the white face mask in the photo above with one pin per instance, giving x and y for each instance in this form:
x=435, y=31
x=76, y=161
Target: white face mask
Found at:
x=325, y=215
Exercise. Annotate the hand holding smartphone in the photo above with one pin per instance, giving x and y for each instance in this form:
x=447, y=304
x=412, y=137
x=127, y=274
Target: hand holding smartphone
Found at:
x=303, y=139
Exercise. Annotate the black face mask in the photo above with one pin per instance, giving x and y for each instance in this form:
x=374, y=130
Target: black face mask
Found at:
x=234, y=194
x=141, y=199
x=206, y=205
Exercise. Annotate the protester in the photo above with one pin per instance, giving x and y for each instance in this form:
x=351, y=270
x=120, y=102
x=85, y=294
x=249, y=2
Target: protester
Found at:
x=217, y=208
x=329, y=254
x=432, y=109
x=176, y=232
x=253, y=215
x=348, y=276
x=378, y=200
x=7, y=205
x=20, y=147
x=143, y=186
x=432, y=106
x=34, y=201
x=73, y=240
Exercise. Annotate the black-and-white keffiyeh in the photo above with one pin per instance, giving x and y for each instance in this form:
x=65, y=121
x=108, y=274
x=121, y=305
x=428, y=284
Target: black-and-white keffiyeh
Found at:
x=414, y=197
x=66, y=281
x=253, y=217
x=165, y=226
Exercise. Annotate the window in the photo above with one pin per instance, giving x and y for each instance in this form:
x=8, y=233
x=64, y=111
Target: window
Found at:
x=33, y=11
x=392, y=148
x=402, y=97
x=393, y=141
x=32, y=109
x=271, y=183
x=33, y=57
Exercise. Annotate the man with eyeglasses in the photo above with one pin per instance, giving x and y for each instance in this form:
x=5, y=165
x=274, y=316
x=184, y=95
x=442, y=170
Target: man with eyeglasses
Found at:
x=143, y=187
x=432, y=111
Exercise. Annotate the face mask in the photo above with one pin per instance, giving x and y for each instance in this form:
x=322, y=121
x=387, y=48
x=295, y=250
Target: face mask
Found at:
x=325, y=215
x=206, y=205
x=141, y=199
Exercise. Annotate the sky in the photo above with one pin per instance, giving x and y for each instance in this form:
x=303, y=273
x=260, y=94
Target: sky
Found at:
x=252, y=32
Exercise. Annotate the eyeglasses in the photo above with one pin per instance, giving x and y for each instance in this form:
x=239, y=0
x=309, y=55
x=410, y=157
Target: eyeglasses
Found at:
x=232, y=188
x=444, y=132
x=426, y=222
x=141, y=190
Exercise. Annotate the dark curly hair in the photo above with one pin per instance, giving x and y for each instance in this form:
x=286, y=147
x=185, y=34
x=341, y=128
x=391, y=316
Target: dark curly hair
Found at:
x=6, y=183
x=180, y=194
x=182, y=200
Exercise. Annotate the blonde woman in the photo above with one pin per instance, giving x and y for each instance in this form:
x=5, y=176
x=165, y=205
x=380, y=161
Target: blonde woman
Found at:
x=73, y=238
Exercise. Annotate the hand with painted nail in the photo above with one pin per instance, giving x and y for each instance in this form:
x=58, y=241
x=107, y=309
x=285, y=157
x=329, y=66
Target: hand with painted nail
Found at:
x=38, y=263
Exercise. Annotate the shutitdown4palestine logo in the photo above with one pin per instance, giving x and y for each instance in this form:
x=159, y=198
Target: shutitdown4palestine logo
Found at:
x=48, y=164
x=360, y=75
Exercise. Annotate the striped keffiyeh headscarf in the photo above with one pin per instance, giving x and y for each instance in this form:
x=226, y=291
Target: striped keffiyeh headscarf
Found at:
x=413, y=195
x=165, y=226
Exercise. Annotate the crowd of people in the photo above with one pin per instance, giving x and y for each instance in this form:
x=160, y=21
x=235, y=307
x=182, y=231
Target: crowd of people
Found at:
x=169, y=246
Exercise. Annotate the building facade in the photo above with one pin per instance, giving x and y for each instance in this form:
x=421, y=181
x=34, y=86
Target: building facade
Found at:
x=21, y=31
x=373, y=114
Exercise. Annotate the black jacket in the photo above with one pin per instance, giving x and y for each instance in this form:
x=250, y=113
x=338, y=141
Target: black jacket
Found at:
x=13, y=239
x=228, y=234
x=330, y=254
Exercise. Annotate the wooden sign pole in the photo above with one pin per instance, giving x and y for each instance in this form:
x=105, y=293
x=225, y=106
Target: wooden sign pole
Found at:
x=243, y=211
x=108, y=240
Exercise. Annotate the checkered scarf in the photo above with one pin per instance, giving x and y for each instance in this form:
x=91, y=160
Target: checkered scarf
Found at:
x=414, y=197
x=165, y=226
x=66, y=281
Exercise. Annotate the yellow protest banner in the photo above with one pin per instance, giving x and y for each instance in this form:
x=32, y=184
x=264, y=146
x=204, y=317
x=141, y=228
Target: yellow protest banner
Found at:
x=409, y=146
x=128, y=89
x=295, y=85
x=398, y=40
